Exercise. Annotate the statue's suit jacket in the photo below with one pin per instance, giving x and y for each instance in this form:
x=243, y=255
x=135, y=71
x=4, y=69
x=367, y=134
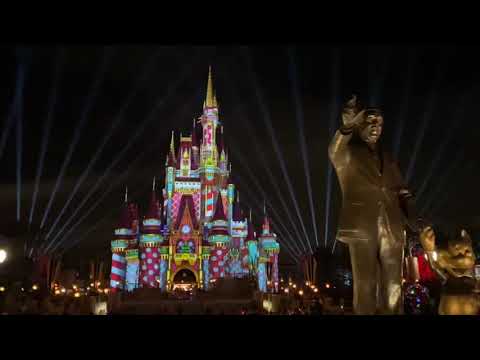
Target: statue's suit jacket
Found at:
x=371, y=183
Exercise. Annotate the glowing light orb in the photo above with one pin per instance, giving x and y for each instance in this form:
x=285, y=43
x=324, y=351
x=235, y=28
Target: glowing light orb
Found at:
x=3, y=255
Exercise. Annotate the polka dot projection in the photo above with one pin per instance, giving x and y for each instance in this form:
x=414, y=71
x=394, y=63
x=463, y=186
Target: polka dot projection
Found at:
x=149, y=272
x=217, y=262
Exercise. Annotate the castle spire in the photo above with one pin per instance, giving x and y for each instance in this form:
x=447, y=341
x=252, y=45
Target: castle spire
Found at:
x=211, y=100
x=194, y=135
x=250, y=230
x=219, y=212
x=153, y=186
x=221, y=142
x=126, y=194
x=237, y=210
x=172, y=144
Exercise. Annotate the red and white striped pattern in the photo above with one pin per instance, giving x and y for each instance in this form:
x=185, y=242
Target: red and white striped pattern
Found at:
x=117, y=275
x=209, y=202
x=149, y=268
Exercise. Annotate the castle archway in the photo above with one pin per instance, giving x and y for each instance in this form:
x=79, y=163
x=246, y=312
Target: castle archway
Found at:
x=184, y=279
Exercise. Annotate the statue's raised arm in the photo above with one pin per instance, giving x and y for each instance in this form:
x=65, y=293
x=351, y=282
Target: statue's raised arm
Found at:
x=352, y=116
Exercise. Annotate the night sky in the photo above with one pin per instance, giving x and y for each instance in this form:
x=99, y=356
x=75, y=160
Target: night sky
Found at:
x=427, y=92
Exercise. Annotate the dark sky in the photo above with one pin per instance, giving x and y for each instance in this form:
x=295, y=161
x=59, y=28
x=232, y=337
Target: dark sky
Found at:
x=430, y=87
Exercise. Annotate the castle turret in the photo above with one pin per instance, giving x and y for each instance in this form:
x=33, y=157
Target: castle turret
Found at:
x=252, y=246
x=239, y=231
x=222, y=152
x=219, y=239
x=209, y=121
x=195, y=148
x=123, y=235
x=131, y=253
x=239, y=228
x=269, y=249
x=150, y=242
x=230, y=200
x=170, y=181
x=209, y=171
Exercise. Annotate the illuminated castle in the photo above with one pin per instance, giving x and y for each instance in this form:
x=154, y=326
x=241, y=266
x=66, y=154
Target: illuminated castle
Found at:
x=197, y=230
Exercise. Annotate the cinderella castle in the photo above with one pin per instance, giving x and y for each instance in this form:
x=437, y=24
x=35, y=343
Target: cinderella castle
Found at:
x=194, y=232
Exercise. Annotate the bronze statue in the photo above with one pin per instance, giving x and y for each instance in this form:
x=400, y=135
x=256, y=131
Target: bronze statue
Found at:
x=376, y=207
x=455, y=266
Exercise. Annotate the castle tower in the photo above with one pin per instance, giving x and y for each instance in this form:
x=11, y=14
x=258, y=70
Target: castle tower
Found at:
x=184, y=157
x=219, y=240
x=170, y=180
x=252, y=246
x=209, y=171
x=165, y=251
x=205, y=252
x=238, y=245
x=195, y=148
x=230, y=198
x=150, y=242
x=123, y=235
x=269, y=249
x=131, y=253
x=222, y=152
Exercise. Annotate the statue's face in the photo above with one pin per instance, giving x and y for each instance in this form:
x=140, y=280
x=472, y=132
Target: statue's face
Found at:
x=371, y=129
x=461, y=254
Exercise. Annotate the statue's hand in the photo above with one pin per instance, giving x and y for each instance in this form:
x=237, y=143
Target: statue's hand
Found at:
x=427, y=239
x=351, y=116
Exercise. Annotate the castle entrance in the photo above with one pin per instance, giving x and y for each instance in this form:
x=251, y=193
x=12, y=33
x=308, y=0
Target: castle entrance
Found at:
x=184, y=280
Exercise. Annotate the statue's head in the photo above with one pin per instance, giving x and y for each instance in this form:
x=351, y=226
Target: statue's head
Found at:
x=461, y=252
x=371, y=128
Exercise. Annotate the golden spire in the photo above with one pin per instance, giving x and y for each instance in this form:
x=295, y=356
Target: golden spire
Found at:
x=172, y=144
x=211, y=100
